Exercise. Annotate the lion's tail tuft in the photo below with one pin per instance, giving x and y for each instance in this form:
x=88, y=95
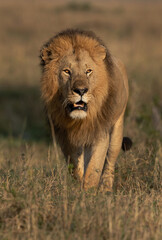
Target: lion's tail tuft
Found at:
x=126, y=144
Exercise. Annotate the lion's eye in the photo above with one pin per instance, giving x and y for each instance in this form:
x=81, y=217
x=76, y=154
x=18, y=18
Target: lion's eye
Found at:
x=89, y=71
x=67, y=71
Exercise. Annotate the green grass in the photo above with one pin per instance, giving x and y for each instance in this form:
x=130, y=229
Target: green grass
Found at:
x=39, y=199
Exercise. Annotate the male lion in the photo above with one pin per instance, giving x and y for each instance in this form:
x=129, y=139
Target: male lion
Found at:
x=85, y=91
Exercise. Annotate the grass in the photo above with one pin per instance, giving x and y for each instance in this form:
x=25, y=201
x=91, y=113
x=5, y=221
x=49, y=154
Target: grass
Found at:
x=39, y=199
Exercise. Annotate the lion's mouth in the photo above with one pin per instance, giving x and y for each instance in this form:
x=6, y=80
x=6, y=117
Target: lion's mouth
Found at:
x=77, y=106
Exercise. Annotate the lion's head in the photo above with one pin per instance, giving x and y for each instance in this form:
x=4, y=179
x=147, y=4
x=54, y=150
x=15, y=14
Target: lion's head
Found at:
x=77, y=82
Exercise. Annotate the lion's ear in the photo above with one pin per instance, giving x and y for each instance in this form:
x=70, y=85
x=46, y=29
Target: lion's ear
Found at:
x=101, y=52
x=45, y=55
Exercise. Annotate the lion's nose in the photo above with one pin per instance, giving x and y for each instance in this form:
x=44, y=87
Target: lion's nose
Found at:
x=80, y=91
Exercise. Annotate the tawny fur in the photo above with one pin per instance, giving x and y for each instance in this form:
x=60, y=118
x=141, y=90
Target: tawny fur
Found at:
x=106, y=98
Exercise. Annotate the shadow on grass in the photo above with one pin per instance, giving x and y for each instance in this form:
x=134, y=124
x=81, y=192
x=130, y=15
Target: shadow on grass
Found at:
x=22, y=115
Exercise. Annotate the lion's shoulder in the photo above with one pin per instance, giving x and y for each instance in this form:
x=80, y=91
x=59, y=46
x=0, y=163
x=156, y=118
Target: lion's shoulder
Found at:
x=120, y=66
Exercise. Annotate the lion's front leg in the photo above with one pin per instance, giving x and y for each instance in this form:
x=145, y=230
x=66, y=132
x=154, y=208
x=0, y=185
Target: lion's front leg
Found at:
x=77, y=159
x=96, y=163
x=107, y=177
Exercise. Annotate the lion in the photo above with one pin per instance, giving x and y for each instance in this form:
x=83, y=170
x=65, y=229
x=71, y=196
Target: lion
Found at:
x=85, y=90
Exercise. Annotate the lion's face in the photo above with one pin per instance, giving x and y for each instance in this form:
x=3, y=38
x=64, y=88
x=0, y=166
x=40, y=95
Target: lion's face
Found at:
x=77, y=81
x=75, y=70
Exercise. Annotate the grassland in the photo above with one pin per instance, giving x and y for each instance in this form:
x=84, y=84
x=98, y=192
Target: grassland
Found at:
x=38, y=197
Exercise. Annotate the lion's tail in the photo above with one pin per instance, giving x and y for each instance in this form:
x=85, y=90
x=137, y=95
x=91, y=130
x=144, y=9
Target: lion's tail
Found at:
x=126, y=144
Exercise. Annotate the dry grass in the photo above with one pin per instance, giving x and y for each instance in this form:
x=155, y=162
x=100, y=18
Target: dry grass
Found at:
x=38, y=197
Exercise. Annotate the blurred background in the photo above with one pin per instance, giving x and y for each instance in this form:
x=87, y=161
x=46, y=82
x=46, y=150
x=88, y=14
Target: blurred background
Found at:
x=132, y=30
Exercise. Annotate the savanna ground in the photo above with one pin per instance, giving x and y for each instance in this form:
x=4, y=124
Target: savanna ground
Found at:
x=38, y=197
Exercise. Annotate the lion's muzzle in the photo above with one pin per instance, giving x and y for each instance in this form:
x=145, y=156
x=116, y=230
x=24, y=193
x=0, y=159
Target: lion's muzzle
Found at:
x=78, y=108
